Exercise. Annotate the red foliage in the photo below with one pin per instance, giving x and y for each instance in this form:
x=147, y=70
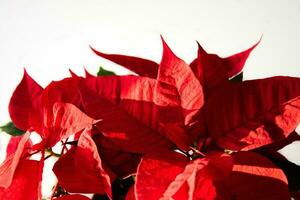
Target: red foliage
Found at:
x=136, y=125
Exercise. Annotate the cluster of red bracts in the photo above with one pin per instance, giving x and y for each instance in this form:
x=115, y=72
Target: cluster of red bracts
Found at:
x=184, y=131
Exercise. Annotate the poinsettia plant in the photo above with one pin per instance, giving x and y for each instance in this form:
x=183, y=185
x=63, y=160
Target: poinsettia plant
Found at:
x=172, y=131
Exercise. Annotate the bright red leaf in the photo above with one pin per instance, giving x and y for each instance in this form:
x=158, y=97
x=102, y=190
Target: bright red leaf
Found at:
x=26, y=182
x=25, y=104
x=80, y=170
x=9, y=166
x=179, y=96
x=63, y=120
x=169, y=175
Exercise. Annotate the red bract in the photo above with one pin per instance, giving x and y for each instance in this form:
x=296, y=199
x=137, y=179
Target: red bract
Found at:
x=80, y=170
x=146, y=120
x=253, y=113
x=25, y=104
x=169, y=175
x=253, y=177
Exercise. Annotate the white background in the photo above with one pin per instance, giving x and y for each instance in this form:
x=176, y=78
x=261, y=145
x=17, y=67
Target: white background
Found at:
x=48, y=37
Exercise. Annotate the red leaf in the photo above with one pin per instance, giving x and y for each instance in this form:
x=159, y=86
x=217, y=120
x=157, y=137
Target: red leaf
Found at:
x=120, y=162
x=179, y=96
x=213, y=70
x=140, y=66
x=13, y=144
x=26, y=182
x=254, y=113
x=73, y=197
x=62, y=121
x=73, y=75
x=253, y=177
x=87, y=74
x=130, y=194
x=125, y=105
x=169, y=175
x=9, y=166
x=25, y=104
x=65, y=91
x=82, y=165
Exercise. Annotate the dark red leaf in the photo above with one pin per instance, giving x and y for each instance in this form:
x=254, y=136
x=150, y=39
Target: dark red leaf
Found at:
x=253, y=177
x=80, y=170
x=120, y=162
x=125, y=105
x=25, y=104
x=212, y=70
x=253, y=113
x=140, y=66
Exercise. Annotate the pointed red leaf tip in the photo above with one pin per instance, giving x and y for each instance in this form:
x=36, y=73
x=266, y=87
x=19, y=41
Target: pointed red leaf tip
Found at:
x=9, y=166
x=63, y=120
x=24, y=187
x=25, y=104
x=236, y=62
x=212, y=70
x=169, y=175
x=73, y=197
x=253, y=177
x=253, y=113
x=73, y=74
x=140, y=66
x=82, y=165
x=179, y=96
x=87, y=74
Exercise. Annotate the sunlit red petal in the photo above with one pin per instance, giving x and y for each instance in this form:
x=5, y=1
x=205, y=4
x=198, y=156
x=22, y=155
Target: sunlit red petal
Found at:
x=8, y=167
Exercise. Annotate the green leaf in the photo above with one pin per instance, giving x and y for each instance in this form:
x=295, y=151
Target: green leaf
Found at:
x=104, y=72
x=237, y=78
x=11, y=129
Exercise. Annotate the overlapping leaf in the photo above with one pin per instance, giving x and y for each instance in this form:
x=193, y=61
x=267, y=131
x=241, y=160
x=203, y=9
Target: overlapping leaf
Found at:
x=213, y=71
x=253, y=113
x=124, y=103
x=170, y=175
x=253, y=177
x=81, y=170
x=24, y=187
